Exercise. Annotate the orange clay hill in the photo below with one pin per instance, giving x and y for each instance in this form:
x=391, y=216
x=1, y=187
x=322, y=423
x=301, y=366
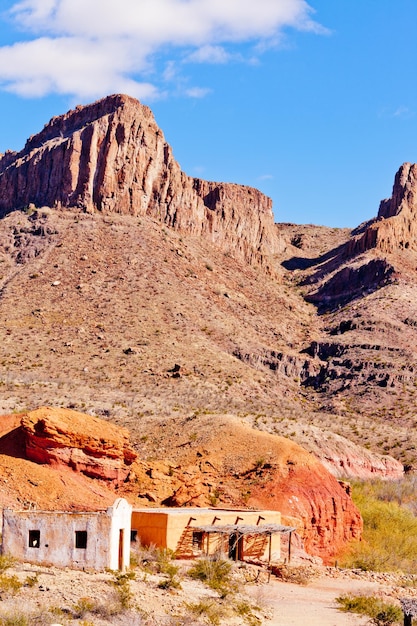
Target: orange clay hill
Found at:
x=62, y=459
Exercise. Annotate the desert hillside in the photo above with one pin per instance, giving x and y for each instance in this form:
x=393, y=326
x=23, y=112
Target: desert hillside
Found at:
x=66, y=460
x=135, y=293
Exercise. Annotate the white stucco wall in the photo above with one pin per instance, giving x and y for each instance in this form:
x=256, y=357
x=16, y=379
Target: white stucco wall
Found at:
x=57, y=531
x=121, y=516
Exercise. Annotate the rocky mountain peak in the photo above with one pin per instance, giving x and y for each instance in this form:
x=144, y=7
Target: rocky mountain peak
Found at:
x=396, y=225
x=404, y=193
x=111, y=157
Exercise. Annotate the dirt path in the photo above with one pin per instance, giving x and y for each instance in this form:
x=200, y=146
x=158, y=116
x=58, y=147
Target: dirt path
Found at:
x=312, y=605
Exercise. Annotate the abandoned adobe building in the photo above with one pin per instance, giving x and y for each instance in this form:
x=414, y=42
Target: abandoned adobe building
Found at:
x=82, y=540
x=192, y=532
x=102, y=539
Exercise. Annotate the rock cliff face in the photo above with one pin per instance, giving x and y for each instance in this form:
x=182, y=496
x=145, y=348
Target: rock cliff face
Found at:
x=111, y=156
x=86, y=444
x=235, y=465
x=350, y=283
x=327, y=516
x=396, y=225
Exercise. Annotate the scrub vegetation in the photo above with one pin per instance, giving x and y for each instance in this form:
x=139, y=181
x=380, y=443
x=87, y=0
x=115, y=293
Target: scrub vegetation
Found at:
x=390, y=527
x=380, y=613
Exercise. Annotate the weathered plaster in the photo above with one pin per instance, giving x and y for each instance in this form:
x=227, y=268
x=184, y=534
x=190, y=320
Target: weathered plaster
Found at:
x=57, y=537
x=172, y=528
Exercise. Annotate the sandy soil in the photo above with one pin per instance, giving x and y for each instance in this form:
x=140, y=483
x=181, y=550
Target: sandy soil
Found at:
x=58, y=596
x=296, y=605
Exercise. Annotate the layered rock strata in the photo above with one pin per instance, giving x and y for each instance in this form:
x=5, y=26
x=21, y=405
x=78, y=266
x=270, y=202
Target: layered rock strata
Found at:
x=396, y=224
x=86, y=444
x=111, y=156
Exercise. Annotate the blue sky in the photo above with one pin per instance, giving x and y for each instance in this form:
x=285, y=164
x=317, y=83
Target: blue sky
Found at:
x=313, y=103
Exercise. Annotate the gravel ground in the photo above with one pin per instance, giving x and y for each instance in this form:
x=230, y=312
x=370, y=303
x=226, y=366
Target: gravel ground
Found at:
x=296, y=605
x=314, y=604
x=64, y=596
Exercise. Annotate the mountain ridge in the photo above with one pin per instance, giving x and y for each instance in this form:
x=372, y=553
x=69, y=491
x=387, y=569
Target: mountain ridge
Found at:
x=110, y=156
x=192, y=303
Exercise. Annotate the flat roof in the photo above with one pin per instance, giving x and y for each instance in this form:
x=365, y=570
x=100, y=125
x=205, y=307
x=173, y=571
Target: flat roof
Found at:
x=188, y=509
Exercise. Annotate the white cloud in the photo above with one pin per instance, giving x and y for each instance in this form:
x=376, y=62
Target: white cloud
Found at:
x=197, y=92
x=403, y=112
x=209, y=54
x=69, y=66
x=89, y=48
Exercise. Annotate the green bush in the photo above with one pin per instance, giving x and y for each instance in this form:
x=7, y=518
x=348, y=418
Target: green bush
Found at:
x=82, y=607
x=209, y=610
x=121, y=583
x=145, y=557
x=246, y=610
x=9, y=585
x=215, y=573
x=380, y=612
x=389, y=540
x=6, y=561
x=167, y=567
x=31, y=581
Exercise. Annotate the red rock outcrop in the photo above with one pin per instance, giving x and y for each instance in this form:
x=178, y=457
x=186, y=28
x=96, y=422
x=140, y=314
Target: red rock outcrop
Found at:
x=311, y=495
x=240, y=466
x=111, y=156
x=84, y=443
x=307, y=492
x=396, y=225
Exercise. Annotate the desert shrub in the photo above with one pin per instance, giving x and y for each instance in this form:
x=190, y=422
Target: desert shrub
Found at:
x=402, y=491
x=167, y=567
x=9, y=585
x=155, y=560
x=390, y=534
x=26, y=618
x=121, y=583
x=16, y=619
x=145, y=557
x=381, y=613
x=31, y=581
x=105, y=608
x=215, y=572
x=172, y=581
x=208, y=609
x=164, y=558
x=6, y=562
x=246, y=610
x=82, y=607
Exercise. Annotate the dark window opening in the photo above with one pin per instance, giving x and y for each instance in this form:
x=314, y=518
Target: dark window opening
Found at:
x=133, y=535
x=198, y=537
x=34, y=538
x=81, y=539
